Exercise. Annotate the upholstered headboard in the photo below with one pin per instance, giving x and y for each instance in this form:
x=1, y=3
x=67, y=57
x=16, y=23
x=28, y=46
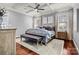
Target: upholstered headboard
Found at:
x=49, y=24
x=50, y=28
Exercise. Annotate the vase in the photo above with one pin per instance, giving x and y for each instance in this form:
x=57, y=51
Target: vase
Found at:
x=1, y=20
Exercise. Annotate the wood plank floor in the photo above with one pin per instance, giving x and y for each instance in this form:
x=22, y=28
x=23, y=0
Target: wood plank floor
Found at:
x=20, y=50
x=69, y=49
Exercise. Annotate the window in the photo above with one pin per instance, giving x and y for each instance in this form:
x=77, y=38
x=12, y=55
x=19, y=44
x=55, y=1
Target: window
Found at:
x=50, y=19
x=44, y=20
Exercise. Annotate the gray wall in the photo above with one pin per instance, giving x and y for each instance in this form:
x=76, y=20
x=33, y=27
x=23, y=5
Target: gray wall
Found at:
x=78, y=20
x=20, y=21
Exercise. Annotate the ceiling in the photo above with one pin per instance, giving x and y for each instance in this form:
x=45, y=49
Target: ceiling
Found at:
x=23, y=7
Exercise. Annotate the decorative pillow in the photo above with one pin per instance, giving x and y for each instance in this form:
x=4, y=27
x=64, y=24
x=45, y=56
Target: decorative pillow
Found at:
x=47, y=28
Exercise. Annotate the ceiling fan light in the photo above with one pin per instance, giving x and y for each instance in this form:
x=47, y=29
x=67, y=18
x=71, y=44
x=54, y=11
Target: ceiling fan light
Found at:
x=36, y=10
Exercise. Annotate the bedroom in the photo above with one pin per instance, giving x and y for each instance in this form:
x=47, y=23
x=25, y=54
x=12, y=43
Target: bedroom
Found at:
x=45, y=26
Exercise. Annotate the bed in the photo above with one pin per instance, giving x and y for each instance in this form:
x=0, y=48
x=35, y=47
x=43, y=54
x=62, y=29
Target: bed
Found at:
x=45, y=32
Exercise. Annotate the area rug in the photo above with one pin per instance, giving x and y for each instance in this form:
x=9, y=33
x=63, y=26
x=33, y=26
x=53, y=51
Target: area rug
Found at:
x=55, y=47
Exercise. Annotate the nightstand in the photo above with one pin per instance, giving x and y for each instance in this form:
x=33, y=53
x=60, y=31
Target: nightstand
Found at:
x=61, y=35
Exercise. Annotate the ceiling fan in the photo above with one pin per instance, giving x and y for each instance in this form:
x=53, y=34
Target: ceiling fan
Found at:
x=35, y=8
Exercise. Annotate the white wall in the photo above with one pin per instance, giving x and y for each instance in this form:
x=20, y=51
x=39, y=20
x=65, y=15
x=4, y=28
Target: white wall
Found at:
x=74, y=20
x=20, y=21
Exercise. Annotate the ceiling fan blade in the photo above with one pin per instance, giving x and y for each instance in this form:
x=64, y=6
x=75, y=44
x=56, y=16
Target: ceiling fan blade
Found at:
x=37, y=6
x=29, y=11
x=30, y=6
x=41, y=9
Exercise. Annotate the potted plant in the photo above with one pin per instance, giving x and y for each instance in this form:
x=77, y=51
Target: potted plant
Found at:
x=2, y=12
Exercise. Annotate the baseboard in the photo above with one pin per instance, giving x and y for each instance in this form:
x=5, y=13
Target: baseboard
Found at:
x=76, y=46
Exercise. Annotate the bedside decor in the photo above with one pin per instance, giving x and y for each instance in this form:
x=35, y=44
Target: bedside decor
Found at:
x=2, y=11
x=62, y=27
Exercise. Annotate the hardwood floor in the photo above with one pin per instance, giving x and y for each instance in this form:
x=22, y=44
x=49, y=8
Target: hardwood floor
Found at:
x=69, y=49
x=20, y=50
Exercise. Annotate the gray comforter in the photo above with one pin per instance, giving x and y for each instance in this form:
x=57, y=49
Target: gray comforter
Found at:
x=42, y=32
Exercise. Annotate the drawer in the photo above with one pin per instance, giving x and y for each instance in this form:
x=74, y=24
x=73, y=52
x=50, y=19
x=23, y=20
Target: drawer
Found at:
x=61, y=35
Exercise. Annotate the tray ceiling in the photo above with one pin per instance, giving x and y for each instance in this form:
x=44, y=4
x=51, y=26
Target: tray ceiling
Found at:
x=25, y=8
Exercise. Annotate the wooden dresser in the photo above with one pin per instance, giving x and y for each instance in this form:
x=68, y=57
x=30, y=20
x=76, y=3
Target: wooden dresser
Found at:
x=61, y=35
x=7, y=41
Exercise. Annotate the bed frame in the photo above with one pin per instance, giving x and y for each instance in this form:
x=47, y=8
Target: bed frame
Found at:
x=39, y=36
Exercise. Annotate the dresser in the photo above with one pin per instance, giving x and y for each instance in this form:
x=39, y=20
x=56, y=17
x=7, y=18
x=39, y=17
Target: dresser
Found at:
x=7, y=41
x=61, y=35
